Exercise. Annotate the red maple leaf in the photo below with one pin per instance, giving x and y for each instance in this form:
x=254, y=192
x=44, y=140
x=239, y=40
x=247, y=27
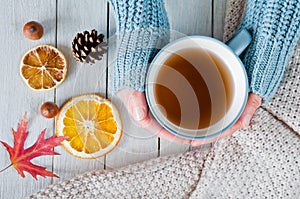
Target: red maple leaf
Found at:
x=20, y=158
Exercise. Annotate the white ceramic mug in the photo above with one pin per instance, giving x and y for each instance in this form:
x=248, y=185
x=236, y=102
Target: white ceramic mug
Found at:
x=228, y=54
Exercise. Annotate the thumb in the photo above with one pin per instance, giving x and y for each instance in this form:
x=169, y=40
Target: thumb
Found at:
x=135, y=103
x=253, y=103
x=138, y=108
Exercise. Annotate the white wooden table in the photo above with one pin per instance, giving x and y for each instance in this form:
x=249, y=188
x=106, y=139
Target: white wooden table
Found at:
x=62, y=19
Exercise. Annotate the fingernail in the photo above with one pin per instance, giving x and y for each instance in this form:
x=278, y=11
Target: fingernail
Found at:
x=246, y=121
x=139, y=113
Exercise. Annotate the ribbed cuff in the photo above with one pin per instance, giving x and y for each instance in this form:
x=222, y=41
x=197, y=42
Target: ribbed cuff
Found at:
x=275, y=27
x=142, y=29
x=136, y=49
x=265, y=62
x=136, y=14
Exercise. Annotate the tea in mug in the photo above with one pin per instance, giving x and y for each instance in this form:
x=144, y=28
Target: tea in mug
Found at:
x=193, y=88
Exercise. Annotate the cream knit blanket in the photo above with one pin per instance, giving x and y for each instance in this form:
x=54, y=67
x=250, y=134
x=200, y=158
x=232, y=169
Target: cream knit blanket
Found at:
x=259, y=162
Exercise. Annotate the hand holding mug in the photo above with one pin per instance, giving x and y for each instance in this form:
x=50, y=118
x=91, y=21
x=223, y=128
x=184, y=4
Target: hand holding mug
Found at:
x=137, y=107
x=225, y=95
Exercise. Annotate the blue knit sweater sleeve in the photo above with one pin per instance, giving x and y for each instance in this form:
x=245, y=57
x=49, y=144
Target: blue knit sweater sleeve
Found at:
x=275, y=26
x=142, y=29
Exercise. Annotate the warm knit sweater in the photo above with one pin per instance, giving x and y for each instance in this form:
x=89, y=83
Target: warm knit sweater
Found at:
x=261, y=161
x=142, y=28
x=275, y=26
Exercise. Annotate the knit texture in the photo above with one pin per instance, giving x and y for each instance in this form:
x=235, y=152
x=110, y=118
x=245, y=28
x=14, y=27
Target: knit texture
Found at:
x=261, y=161
x=151, y=179
x=275, y=26
x=258, y=162
x=286, y=102
x=142, y=29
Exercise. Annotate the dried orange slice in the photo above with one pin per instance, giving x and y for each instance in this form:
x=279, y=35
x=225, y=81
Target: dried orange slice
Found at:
x=92, y=124
x=43, y=68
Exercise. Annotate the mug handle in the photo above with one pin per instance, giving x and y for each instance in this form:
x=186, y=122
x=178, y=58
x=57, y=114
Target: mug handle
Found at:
x=240, y=41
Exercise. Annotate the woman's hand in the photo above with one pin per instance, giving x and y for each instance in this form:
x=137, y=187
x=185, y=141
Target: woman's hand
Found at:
x=136, y=104
x=253, y=103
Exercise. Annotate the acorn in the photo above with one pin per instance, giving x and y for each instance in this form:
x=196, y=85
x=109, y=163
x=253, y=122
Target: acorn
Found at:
x=33, y=30
x=49, y=110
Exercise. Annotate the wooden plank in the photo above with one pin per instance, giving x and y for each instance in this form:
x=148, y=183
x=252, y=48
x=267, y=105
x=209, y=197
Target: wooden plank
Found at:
x=190, y=17
x=136, y=144
x=218, y=18
x=73, y=17
x=16, y=98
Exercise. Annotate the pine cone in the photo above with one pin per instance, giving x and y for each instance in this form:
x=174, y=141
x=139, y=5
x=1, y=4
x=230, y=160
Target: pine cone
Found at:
x=88, y=47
